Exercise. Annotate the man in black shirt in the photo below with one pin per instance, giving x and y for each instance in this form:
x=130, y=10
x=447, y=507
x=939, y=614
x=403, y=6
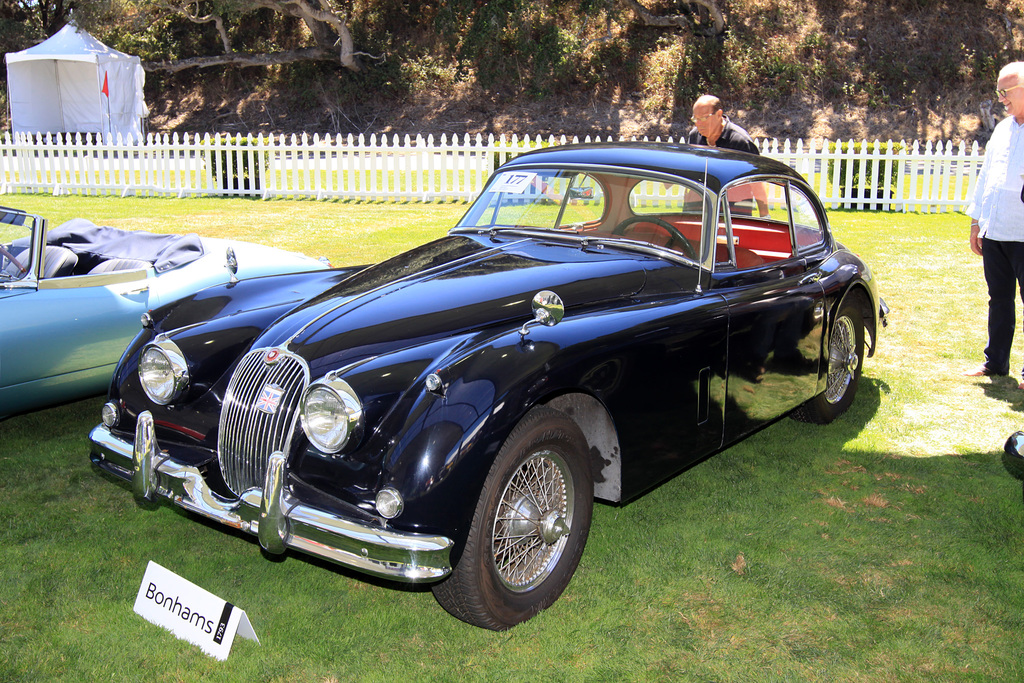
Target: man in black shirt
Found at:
x=712, y=127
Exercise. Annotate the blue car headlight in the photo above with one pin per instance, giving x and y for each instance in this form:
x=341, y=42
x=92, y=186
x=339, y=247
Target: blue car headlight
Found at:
x=163, y=371
x=332, y=414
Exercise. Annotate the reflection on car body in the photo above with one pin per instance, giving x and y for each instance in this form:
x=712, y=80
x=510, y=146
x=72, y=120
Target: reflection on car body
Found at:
x=601, y=318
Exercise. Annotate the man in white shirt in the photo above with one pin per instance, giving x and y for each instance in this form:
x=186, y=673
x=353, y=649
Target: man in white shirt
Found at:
x=997, y=221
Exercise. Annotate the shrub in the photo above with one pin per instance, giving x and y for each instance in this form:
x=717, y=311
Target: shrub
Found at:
x=239, y=174
x=873, y=189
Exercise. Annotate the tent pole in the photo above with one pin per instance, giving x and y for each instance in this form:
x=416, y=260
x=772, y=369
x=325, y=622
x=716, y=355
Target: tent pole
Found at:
x=10, y=107
x=60, y=97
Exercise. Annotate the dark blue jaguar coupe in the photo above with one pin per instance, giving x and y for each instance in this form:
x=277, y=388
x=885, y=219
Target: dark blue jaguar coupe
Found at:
x=602, y=317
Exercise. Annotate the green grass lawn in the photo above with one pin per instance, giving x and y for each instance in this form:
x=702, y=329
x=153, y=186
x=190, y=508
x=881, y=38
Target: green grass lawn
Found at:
x=886, y=546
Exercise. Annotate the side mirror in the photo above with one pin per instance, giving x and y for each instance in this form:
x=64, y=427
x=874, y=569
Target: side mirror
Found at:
x=548, y=310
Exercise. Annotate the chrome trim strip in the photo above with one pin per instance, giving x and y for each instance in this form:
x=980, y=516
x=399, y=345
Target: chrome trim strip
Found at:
x=97, y=280
x=19, y=284
x=374, y=550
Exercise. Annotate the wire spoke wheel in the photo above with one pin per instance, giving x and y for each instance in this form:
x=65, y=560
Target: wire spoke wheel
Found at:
x=529, y=528
x=842, y=360
x=843, y=364
x=532, y=522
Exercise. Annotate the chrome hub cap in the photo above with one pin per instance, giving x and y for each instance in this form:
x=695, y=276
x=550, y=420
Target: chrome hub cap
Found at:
x=532, y=521
x=553, y=527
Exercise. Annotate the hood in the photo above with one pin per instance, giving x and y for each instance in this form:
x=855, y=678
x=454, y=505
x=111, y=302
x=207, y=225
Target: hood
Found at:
x=449, y=287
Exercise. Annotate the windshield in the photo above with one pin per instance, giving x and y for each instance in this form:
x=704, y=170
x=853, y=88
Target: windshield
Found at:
x=635, y=208
x=539, y=199
x=15, y=245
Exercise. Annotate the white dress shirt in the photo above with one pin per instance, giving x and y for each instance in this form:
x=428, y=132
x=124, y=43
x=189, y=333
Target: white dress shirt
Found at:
x=996, y=204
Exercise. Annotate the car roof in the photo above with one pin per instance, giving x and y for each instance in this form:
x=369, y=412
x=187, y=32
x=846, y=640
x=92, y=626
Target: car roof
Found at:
x=712, y=166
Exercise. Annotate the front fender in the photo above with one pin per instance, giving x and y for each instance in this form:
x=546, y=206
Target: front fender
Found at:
x=443, y=446
x=854, y=278
x=441, y=454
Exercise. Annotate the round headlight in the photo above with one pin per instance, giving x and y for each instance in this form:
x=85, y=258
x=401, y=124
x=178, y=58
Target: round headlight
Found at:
x=331, y=414
x=163, y=371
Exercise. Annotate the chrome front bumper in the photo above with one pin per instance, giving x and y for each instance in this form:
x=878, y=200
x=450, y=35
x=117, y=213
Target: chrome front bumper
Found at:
x=272, y=514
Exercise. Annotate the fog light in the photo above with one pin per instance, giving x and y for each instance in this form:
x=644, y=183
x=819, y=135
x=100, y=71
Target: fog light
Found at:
x=389, y=503
x=110, y=414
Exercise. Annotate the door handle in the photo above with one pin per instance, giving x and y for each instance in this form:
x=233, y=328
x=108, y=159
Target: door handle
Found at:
x=809, y=278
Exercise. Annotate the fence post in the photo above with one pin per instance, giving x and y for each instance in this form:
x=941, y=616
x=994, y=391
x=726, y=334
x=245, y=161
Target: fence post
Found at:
x=901, y=172
x=834, y=155
x=975, y=162
x=5, y=166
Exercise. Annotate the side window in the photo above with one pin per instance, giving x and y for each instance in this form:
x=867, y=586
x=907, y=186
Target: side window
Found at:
x=724, y=256
x=758, y=230
x=806, y=222
x=585, y=203
x=655, y=197
x=665, y=214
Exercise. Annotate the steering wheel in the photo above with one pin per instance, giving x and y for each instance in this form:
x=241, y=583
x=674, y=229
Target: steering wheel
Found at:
x=10, y=257
x=685, y=244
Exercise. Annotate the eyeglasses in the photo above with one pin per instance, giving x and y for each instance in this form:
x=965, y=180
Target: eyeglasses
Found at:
x=1001, y=92
x=702, y=119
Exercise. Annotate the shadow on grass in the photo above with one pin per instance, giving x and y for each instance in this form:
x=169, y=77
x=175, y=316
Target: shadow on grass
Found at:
x=1004, y=388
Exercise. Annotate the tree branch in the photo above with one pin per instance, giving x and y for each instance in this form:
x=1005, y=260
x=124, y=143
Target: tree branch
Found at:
x=329, y=30
x=193, y=16
x=681, y=20
x=239, y=59
x=313, y=16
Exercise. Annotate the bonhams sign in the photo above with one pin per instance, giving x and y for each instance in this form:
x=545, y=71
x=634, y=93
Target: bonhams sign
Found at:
x=191, y=613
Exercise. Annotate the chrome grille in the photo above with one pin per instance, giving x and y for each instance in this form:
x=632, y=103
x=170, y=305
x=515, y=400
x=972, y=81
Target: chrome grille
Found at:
x=259, y=414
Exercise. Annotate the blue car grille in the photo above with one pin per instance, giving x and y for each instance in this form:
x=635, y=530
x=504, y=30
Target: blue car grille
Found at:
x=259, y=414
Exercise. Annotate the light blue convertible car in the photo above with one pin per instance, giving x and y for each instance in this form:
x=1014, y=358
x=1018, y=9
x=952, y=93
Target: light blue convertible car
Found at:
x=71, y=298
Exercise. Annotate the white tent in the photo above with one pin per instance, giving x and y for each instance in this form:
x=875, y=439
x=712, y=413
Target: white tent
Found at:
x=72, y=83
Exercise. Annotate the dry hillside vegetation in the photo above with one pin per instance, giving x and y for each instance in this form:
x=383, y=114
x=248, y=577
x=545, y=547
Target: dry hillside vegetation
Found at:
x=910, y=69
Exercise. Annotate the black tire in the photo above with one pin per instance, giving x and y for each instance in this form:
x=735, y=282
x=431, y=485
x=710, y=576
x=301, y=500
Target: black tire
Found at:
x=541, y=477
x=845, y=360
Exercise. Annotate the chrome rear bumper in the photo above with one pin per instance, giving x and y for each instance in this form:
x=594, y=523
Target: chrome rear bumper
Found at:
x=277, y=518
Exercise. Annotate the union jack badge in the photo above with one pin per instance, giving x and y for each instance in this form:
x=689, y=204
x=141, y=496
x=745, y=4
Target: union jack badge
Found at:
x=270, y=399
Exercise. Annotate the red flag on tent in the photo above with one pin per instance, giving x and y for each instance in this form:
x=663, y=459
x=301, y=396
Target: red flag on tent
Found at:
x=105, y=90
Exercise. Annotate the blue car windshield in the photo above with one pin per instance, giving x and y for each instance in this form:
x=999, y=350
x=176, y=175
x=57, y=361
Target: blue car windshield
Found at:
x=15, y=246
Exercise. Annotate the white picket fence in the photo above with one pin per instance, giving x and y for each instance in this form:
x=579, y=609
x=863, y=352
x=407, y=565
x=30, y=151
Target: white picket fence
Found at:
x=903, y=177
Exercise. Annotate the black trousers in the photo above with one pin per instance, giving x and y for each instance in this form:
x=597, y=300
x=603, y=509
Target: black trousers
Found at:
x=1004, y=273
